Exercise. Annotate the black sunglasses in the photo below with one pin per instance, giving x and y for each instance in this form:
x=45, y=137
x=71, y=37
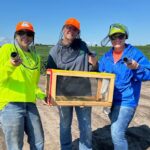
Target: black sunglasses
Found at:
x=69, y=27
x=117, y=36
x=27, y=33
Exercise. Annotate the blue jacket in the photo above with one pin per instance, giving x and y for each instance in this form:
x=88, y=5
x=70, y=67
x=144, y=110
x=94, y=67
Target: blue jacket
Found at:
x=128, y=82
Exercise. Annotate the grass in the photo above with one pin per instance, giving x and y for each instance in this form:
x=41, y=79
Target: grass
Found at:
x=43, y=50
x=145, y=50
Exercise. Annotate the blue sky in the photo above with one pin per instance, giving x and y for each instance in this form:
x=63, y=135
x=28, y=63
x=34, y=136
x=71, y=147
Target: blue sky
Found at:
x=95, y=16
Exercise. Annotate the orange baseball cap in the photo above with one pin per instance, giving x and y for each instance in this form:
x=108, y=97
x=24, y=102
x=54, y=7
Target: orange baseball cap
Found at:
x=24, y=26
x=74, y=22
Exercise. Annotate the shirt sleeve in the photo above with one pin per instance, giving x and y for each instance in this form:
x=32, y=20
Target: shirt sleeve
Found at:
x=101, y=64
x=39, y=93
x=51, y=62
x=143, y=71
x=6, y=68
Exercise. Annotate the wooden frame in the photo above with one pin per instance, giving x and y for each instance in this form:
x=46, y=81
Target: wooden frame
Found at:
x=99, y=99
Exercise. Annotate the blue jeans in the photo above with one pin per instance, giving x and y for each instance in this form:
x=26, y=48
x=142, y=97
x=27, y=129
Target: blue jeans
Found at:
x=84, y=121
x=17, y=118
x=120, y=117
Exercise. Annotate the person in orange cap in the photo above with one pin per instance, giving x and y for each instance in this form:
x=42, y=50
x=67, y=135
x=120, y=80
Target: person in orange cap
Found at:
x=71, y=53
x=20, y=71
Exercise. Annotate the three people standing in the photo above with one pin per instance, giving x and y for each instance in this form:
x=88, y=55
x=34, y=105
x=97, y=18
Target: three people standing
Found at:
x=20, y=71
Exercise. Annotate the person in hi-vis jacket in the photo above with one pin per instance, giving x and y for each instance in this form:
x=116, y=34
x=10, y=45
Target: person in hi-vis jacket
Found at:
x=19, y=76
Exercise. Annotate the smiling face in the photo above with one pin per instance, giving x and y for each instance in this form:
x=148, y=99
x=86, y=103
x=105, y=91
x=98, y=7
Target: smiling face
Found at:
x=69, y=34
x=24, y=38
x=118, y=41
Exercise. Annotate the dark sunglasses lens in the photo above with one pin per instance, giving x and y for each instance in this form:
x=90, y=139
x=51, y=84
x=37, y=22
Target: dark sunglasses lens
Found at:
x=28, y=33
x=72, y=28
x=21, y=33
x=120, y=36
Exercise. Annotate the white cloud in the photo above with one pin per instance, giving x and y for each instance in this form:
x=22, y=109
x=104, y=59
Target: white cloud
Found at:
x=4, y=40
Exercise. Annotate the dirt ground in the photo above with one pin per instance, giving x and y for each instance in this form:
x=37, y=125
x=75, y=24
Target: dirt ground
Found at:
x=138, y=133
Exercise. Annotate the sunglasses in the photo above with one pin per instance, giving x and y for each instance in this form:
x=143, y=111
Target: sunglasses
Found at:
x=71, y=28
x=27, y=33
x=117, y=36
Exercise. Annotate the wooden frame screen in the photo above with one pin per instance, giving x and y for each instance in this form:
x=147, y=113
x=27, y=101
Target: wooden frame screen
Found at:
x=78, y=88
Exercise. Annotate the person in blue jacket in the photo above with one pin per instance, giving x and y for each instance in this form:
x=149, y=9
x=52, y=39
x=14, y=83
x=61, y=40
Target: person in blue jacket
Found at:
x=131, y=67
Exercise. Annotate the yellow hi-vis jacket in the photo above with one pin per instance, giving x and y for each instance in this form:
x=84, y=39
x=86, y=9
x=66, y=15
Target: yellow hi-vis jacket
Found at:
x=18, y=84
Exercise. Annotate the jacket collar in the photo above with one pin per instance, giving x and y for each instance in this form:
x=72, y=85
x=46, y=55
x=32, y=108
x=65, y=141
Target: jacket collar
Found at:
x=109, y=55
